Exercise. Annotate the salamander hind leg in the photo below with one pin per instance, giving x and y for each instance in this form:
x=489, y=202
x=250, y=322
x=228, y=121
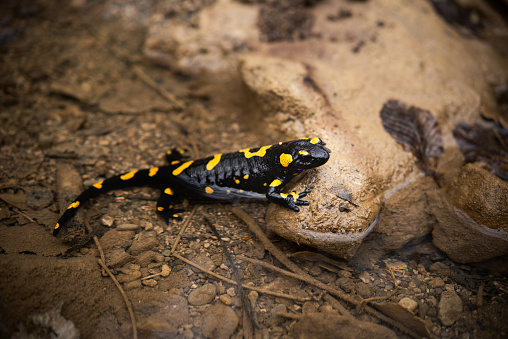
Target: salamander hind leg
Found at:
x=176, y=154
x=165, y=206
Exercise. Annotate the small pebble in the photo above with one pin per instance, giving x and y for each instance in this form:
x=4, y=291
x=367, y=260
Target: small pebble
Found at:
x=107, y=221
x=450, y=308
x=436, y=282
x=253, y=297
x=148, y=226
x=408, y=304
x=145, y=258
x=159, y=257
x=345, y=274
x=231, y=291
x=202, y=295
x=128, y=277
x=225, y=299
x=127, y=227
x=165, y=270
x=440, y=269
x=132, y=285
x=150, y=282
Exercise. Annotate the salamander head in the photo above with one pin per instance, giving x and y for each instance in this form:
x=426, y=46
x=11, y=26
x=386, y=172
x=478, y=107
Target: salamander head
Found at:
x=304, y=154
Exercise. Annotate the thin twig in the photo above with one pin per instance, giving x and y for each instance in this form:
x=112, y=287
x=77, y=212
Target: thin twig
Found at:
x=159, y=89
x=269, y=246
x=247, y=306
x=125, y=299
x=306, y=277
x=184, y=226
x=102, y=263
x=361, y=305
x=288, y=315
x=249, y=287
x=145, y=78
x=18, y=210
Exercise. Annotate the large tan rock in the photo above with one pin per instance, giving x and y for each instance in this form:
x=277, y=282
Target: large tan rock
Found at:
x=473, y=216
x=333, y=85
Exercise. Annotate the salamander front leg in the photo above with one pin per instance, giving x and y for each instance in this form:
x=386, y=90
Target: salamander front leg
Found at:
x=291, y=200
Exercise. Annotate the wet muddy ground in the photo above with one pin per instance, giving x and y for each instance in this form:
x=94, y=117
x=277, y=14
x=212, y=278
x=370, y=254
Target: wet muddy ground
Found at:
x=78, y=99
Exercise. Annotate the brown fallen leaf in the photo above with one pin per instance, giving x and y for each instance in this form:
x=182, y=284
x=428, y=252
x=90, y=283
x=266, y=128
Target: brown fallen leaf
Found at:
x=489, y=145
x=417, y=131
x=404, y=316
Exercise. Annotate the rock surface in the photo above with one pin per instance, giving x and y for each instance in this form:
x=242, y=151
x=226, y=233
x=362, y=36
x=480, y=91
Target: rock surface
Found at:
x=332, y=83
x=143, y=242
x=219, y=321
x=473, y=216
x=331, y=325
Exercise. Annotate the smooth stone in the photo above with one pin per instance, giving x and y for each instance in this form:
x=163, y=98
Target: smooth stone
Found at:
x=449, y=308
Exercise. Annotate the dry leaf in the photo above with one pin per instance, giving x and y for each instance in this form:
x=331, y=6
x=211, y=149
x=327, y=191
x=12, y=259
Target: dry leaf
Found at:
x=417, y=131
x=478, y=143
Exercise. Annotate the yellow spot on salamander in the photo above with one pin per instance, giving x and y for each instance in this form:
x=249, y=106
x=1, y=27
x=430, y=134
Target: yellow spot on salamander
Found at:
x=275, y=183
x=295, y=196
x=57, y=226
x=264, y=184
x=228, y=192
x=212, y=163
x=314, y=140
x=208, y=190
x=153, y=171
x=246, y=176
x=75, y=204
x=237, y=181
x=160, y=208
x=285, y=159
x=175, y=216
x=284, y=195
x=174, y=162
x=98, y=185
x=183, y=166
x=169, y=191
x=181, y=151
x=260, y=153
x=304, y=153
x=129, y=175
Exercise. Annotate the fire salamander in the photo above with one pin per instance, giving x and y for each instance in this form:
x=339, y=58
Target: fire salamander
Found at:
x=249, y=173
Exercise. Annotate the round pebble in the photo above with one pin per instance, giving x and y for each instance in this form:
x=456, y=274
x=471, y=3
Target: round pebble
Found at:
x=225, y=299
x=150, y=282
x=165, y=270
x=202, y=295
x=107, y=220
x=127, y=227
x=409, y=304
